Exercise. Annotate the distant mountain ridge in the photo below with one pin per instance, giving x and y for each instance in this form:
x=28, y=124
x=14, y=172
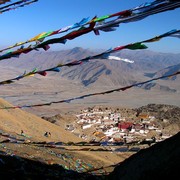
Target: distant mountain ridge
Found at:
x=166, y=71
x=102, y=72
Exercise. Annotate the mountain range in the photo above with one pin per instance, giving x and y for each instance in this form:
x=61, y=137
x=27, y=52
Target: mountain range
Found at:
x=97, y=75
x=146, y=63
x=101, y=72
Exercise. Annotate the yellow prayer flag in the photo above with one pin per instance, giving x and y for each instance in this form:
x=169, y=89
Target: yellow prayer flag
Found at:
x=36, y=37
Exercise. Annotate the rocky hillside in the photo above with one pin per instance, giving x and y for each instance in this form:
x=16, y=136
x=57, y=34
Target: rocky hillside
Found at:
x=166, y=71
x=168, y=116
x=162, y=112
x=160, y=161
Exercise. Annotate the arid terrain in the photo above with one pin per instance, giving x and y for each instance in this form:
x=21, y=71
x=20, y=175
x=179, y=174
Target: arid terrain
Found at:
x=32, y=144
x=25, y=151
x=22, y=131
x=94, y=76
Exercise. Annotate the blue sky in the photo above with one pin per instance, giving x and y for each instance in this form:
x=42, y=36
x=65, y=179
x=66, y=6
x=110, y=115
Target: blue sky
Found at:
x=46, y=15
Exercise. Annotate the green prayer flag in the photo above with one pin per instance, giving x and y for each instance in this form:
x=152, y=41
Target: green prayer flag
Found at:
x=45, y=35
x=136, y=46
x=101, y=18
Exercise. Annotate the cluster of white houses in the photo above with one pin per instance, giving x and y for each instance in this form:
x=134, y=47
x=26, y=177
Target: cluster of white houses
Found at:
x=112, y=127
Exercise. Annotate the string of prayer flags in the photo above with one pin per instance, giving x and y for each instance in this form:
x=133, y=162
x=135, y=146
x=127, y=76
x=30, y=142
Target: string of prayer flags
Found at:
x=12, y=4
x=4, y=1
x=75, y=34
x=177, y=35
x=45, y=45
x=104, y=55
x=134, y=14
x=16, y=5
x=148, y=6
x=140, y=13
x=40, y=37
x=136, y=46
x=93, y=94
x=169, y=33
x=70, y=36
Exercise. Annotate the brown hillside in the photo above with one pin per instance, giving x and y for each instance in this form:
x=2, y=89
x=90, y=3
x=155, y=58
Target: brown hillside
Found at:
x=15, y=120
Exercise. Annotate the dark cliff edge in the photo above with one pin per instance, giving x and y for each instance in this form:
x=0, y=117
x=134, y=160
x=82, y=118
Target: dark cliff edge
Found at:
x=160, y=161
